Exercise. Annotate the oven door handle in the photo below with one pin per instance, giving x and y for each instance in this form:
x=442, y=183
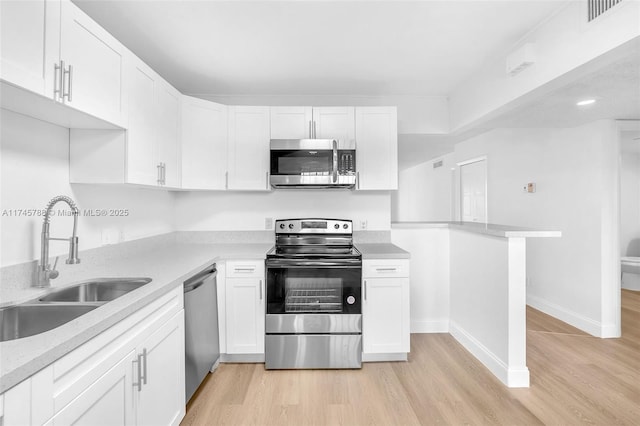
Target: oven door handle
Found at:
x=356, y=264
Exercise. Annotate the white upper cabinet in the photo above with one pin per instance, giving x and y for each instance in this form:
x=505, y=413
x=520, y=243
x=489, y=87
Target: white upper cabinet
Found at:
x=313, y=123
x=93, y=66
x=248, y=159
x=204, y=144
x=334, y=123
x=142, y=167
x=30, y=37
x=168, y=134
x=377, y=148
x=53, y=49
x=291, y=122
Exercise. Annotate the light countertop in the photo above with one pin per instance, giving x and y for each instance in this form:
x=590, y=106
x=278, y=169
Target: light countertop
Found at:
x=169, y=265
x=382, y=251
x=482, y=228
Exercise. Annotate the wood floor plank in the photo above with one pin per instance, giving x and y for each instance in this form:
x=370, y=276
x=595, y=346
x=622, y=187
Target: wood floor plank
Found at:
x=575, y=379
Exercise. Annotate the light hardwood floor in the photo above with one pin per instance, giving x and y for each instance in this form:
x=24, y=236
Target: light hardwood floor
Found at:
x=575, y=379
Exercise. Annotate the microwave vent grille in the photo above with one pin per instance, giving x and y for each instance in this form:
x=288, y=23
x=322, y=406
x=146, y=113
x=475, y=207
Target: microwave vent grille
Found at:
x=598, y=7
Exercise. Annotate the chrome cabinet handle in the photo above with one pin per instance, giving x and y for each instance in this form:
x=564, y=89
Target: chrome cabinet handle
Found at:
x=268, y=187
x=144, y=370
x=57, y=82
x=226, y=180
x=310, y=131
x=159, y=168
x=365, y=289
x=70, y=78
x=314, y=129
x=260, y=289
x=335, y=161
x=358, y=180
x=164, y=173
x=139, y=384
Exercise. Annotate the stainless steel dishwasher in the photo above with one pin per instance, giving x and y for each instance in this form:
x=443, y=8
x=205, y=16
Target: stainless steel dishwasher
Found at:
x=202, y=348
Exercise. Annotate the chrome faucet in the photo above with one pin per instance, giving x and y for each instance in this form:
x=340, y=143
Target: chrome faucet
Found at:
x=45, y=272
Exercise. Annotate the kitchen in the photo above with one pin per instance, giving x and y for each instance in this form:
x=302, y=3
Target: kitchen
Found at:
x=428, y=127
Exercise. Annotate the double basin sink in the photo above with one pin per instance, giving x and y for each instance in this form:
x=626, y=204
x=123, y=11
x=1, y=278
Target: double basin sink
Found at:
x=62, y=305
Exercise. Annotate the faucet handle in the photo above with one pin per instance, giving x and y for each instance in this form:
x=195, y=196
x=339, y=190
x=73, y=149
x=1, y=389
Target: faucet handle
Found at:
x=53, y=273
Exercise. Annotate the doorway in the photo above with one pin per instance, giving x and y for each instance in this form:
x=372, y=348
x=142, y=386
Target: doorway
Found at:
x=473, y=190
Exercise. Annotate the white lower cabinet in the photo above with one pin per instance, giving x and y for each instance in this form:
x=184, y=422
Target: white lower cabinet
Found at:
x=130, y=374
x=385, y=309
x=245, y=307
x=158, y=402
x=108, y=401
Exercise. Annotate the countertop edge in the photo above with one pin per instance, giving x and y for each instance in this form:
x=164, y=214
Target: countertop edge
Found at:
x=495, y=230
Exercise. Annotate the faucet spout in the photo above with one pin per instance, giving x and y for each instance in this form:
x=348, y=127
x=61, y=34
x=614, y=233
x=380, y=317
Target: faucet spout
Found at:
x=45, y=273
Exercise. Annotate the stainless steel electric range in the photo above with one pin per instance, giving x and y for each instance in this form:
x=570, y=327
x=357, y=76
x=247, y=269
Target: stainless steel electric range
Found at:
x=314, y=311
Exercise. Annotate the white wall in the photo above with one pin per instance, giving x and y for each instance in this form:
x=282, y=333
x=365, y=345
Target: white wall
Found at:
x=222, y=211
x=630, y=194
x=575, y=171
x=424, y=193
x=35, y=168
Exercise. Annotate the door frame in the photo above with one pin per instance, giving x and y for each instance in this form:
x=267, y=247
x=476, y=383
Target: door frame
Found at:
x=459, y=166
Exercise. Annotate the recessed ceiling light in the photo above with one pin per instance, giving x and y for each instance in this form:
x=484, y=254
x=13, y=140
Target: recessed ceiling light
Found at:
x=586, y=102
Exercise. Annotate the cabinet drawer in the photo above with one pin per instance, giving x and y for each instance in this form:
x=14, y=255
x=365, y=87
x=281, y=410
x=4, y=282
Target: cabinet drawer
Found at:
x=376, y=268
x=245, y=268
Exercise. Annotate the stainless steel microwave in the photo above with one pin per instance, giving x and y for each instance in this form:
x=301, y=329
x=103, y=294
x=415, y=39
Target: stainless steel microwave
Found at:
x=312, y=163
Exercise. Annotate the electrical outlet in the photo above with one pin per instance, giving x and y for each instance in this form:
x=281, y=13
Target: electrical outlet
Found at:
x=363, y=224
x=268, y=223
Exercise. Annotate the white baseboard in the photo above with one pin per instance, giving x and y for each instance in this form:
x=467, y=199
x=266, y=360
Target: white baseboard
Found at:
x=588, y=325
x=248, y=358
x=430, y=326
x=402, y=356
x=513, y=377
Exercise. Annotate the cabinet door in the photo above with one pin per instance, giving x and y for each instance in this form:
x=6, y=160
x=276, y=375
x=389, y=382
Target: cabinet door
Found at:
x=168, y=133
x=385, y=315
x=204, y=144
x=141, y=132
x=377, y=148
x=96, y=84
x=108, y=401
x=334, y=123
x=160, y=400
x=248, y=148
x=245, y=315
x=291, y=122
x=30, y=37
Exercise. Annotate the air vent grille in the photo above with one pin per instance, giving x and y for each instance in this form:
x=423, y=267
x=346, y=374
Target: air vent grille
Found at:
x=437, y=164
x=598, y=7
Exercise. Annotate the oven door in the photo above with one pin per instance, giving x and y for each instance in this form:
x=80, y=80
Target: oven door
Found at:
x=319, y=286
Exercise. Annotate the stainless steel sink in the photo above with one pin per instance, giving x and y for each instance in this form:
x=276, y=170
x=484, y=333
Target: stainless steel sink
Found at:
x=62, y=305
x=28, y=319
x=98, y=290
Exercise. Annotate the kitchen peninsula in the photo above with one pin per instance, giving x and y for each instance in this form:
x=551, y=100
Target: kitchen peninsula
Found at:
x=469, y=279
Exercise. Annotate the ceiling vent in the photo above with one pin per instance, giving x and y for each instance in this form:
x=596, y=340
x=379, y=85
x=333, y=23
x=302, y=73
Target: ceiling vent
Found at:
x=598, y=7
x=522, y=58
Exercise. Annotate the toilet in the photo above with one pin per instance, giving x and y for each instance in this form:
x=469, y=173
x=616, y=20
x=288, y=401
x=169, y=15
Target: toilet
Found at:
x=630, y=267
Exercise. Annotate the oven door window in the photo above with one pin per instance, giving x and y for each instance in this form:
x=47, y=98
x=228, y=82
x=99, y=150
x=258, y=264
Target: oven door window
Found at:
x=302, y=163
x=313, y=290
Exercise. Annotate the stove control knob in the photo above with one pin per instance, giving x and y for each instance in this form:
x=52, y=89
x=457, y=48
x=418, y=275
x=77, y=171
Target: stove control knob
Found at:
x=336, y=226
x=282, y=226
x=351, y=300
x=345, y=226
x=291, y=226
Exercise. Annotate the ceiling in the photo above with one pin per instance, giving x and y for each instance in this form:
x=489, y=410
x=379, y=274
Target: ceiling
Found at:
x=317, y=47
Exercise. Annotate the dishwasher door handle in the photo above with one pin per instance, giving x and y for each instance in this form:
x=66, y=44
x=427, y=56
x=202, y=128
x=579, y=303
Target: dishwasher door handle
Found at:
x=200, y=279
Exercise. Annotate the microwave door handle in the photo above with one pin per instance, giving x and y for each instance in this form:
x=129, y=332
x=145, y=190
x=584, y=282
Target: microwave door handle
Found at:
x=335, y=161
